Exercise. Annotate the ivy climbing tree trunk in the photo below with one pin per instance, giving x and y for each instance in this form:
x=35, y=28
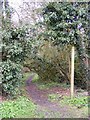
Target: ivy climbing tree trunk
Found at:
x=65, y=23
x=83, y=57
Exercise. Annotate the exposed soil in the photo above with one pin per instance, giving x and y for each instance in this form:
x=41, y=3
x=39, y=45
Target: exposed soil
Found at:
x=51, y=109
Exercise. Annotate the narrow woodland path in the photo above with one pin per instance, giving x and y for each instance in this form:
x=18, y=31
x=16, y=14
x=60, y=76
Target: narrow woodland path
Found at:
x=49, y=109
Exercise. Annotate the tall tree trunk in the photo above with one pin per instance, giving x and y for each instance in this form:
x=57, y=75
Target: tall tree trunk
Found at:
x=83, y=55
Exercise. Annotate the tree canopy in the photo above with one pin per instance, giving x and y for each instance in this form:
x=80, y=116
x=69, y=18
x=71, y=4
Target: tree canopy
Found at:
x=67, y=23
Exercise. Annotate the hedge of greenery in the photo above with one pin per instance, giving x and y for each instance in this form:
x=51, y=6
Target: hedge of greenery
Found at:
x=11, y=77
x=15, y=47
x=67, y=23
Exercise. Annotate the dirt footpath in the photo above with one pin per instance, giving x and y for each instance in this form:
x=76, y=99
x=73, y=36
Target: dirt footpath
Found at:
x=48, y=109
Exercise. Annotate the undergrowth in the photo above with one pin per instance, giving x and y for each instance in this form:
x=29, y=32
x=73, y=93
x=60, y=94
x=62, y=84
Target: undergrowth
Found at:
x=49, y=84
x=78, y=101
x=19, y=108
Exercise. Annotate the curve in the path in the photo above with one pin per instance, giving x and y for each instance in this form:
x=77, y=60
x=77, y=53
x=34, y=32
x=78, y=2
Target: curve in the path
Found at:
x=39, y=97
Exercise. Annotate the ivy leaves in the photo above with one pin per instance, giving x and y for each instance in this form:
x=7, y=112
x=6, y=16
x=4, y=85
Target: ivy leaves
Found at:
x=63, y=19
x=15, y=47
x=11, y=77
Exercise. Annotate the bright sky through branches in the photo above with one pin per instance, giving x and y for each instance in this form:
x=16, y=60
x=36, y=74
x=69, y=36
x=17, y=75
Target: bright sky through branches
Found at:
x=15, y=4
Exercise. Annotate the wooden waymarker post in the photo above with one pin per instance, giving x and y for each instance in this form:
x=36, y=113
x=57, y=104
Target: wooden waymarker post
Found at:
x=72, y=65
x=72, y=71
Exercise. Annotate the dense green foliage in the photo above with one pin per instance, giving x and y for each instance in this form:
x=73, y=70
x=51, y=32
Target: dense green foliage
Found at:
x=11, y=77
x=15, y=47
x=15, y=44
x=67, y=23
x=20, y=108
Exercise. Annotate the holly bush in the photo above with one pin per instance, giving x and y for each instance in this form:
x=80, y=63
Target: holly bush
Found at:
x=11, y=77
x=67, y=23
x=15, y=47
